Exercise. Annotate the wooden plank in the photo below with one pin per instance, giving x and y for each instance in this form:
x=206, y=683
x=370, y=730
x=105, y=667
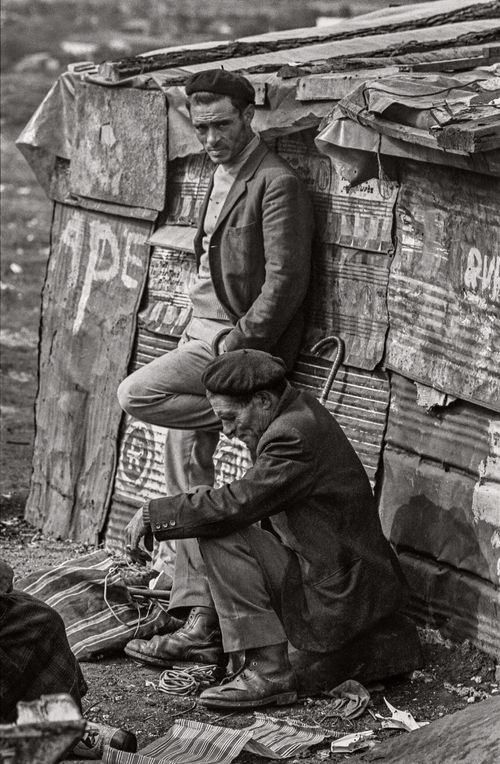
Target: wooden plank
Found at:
x=96, y=274
x=471, y=735
x=479, y=135
x=120, y=149
x=337, y=85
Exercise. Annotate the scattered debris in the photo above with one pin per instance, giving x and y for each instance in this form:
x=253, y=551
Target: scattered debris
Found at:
x=355, y=741
x=399, y=720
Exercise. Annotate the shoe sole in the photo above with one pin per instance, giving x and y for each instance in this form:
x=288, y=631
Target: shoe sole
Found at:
x=282, y=699
x=163, y=662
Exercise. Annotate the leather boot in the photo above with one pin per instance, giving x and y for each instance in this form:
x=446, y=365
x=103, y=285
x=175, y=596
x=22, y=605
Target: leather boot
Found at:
x=197, y=641
x=266, y=678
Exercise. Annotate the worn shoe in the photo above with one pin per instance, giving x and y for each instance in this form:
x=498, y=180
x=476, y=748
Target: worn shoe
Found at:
x=96, y=736
x=197, y=641
x=265, y=679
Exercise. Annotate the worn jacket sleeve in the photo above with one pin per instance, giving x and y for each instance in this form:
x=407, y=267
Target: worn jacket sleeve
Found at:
x=283, y=473
x=287, y=226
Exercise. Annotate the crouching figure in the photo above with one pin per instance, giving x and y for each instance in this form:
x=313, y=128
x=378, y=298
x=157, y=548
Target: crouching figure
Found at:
x=294, y=551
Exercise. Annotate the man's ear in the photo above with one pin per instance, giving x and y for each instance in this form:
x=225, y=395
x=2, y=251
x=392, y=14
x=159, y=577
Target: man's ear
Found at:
x=265, y=399
x=248, y=113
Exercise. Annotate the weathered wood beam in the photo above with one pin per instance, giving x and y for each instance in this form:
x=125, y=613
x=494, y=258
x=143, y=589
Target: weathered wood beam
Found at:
x=337, y=85
x=479, y=135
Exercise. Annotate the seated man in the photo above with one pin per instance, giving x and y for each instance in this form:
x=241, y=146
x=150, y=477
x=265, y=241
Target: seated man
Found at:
x=322, y=575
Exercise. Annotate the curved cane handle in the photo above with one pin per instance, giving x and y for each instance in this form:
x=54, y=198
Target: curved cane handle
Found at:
x=339, y=357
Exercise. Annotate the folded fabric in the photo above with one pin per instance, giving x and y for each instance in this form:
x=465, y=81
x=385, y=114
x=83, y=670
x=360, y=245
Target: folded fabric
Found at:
x=98, y=612
x=186, y=742
x=281, y=738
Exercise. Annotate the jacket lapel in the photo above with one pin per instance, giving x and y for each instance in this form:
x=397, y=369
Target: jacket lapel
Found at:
x=239, y=185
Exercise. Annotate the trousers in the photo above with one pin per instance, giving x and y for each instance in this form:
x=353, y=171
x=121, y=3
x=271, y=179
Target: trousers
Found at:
x=245, y=572
x=239, y=574
x=169, y=392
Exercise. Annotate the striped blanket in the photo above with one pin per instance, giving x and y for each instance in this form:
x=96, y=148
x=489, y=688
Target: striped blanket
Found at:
x=98, y=612
x=193, y=742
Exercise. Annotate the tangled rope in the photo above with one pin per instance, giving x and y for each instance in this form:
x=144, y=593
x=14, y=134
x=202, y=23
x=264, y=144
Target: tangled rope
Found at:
x=188, y=679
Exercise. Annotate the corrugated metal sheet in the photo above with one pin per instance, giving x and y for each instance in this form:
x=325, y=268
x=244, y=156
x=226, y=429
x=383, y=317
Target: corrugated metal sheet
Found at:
x=188, y=181
x=461, y=606
x=455, y=436
x=349, y=299
x=358, y=400
x=444, y=283
x=97, y=268
x=359, y=217
x=168, y=307
x=441, y=490
x=120, y=146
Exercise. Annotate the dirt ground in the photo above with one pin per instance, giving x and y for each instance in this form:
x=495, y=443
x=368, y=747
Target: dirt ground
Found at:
x=119, y=694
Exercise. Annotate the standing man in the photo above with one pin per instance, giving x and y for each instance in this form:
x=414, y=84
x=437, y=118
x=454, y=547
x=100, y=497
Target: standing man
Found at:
x=253, y=251
x=324, y=576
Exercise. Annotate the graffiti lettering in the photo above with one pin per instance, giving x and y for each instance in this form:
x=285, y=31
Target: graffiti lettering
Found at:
x=110, y=256
x=482, y=273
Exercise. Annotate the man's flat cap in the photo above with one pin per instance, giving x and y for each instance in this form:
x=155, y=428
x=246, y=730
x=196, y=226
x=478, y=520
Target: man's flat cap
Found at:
x=241, y=372
x=221, y=82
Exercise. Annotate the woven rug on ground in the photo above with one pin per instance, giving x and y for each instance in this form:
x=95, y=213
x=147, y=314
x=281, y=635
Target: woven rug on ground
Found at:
x=99, y=613
x=192, y=742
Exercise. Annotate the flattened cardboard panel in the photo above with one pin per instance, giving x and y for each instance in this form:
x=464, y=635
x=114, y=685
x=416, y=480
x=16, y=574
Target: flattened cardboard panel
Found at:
x=358, y=400
x=349, y=298
x=361, y=217
x=188, y=182
x=167, y=308
x=96, y=274
x=461, y=606
x=434, y=512
x=120, y=146
x=444, y=283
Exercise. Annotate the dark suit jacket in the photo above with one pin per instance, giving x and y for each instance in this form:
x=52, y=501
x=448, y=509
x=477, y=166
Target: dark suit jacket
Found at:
x=343, y=577
x=260, y=255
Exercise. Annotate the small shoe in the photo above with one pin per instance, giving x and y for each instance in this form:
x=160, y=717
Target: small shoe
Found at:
x=265, y=679
x=96, y=736
x=197, y=641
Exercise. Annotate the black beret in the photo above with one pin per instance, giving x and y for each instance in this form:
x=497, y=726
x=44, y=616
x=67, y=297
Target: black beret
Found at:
x=221, y=82
x=241, y=372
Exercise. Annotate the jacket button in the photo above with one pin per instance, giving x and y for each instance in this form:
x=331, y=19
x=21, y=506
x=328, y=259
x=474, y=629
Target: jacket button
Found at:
x=165, y=525
x=158, y=526
x=172, y=522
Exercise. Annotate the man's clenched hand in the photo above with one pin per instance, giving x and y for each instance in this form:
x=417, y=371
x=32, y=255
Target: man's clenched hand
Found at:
x=136, y=530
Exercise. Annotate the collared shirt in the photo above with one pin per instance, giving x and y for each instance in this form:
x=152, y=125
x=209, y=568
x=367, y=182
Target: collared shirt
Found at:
x=209, y=316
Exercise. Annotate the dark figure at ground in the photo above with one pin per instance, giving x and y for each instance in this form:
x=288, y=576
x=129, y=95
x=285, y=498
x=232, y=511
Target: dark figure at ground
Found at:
x=320, y=575
x=35, y=656
x=253, y=251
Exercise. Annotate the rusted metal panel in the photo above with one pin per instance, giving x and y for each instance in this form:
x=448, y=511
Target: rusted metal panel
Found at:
x=358, y=400
x=350, y=260
x=440, y=495
x=444, y=283
x=349, y=299
x=460, y=605
x=455, y=436
x=359, y=217
x=167, y=307
x=120, y=146
x=96, y=273
x=188, y=181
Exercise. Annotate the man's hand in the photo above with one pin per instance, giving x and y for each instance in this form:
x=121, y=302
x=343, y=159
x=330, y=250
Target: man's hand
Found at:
x=135, y=531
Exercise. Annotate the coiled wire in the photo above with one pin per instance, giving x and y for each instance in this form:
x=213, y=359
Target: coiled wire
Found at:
x=187, y=680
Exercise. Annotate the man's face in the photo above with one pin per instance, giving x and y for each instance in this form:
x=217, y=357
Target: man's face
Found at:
x=247, y=422
x=221, y=129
